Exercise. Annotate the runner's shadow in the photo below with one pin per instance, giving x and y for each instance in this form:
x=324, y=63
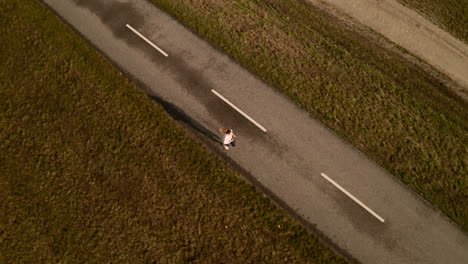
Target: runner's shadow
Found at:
x=179, y=115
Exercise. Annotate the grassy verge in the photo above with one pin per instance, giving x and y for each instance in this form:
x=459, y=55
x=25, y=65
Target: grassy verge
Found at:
x=451, y=15
x=394, y=112
x=93, y=171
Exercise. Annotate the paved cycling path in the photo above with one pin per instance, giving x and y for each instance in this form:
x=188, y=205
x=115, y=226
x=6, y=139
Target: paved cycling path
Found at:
x=411, y=31
x=333, y=188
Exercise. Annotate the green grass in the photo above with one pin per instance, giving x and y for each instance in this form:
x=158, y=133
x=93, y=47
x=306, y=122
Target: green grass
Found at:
x=394, y=112
x=451, y=15
x=93, y=171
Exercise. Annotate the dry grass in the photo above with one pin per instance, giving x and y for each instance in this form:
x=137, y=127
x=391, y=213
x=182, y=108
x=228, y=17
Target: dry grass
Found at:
x=452, y=15
x=93, y=171
x=397, y=114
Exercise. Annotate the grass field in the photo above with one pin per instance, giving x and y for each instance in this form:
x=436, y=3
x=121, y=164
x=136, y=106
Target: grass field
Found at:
x=394, y=112
x=451, y=15
x=93, y=171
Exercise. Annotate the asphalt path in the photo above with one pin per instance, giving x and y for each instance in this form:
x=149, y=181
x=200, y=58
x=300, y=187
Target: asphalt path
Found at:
x=328, y=185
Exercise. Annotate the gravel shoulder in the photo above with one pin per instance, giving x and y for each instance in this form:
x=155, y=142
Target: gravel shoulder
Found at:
x=411, y=31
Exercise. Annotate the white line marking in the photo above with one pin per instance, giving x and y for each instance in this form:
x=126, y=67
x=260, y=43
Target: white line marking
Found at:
x=240, y=111
x=352, y=197
x=147, y=40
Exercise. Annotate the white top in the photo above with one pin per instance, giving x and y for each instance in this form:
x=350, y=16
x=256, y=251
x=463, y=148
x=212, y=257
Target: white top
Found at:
x=227, y=139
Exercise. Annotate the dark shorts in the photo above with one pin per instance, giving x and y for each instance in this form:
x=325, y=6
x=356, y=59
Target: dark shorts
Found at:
x=233, y=143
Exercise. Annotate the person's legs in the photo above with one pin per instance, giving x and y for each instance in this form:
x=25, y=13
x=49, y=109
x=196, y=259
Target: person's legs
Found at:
x=225, y=146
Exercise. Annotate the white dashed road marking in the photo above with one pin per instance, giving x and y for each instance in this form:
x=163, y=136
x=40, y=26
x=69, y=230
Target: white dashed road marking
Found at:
x=147, y=40
x=238, y=110
x=352, y=197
